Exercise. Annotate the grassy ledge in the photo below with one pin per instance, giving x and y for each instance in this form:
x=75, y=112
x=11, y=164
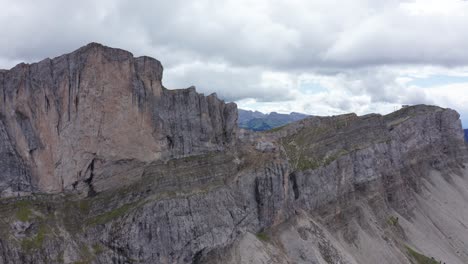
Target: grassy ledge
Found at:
x=23, y=212
x=392, y=221
x=420, y=258
x=108, y=216
x=263, y=236
x=35, y=242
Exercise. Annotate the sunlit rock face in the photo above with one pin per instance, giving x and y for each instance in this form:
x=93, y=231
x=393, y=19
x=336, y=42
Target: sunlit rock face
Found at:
x=71, y=119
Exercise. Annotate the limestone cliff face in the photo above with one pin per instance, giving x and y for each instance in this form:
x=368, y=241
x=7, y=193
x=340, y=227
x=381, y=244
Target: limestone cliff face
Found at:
x=187, y=187
x=70, y=119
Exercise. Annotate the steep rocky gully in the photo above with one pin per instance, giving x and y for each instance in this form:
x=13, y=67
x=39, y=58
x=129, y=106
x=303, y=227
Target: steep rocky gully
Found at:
x=99, y=163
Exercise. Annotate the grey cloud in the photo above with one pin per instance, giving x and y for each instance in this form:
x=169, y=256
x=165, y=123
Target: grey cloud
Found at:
x=229, y=83
x=359, y=44
x=296, y=35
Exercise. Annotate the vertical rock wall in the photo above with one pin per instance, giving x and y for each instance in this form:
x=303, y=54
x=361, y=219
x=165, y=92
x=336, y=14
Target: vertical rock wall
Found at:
x=78, y=114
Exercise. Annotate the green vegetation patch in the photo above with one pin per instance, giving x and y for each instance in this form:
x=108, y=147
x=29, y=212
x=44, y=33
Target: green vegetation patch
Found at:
x=200, y=157
x=23, y=211
x=300, y=148
x=328, y=160
x=263, y=236
x=392, y=220
x=36, y=242
x=305, y=164
x=108, y=216
x=84, y=206
x=420, y=258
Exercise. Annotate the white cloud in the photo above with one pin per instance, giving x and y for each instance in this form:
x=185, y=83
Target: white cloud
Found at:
x=363, y=91
x=362, y=55
x=232, y=83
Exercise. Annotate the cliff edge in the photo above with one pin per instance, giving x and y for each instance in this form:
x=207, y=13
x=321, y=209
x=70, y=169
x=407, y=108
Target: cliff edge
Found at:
x=66, y=122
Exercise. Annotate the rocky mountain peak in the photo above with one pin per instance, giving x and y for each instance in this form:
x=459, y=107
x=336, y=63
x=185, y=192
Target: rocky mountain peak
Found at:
x=74, y=117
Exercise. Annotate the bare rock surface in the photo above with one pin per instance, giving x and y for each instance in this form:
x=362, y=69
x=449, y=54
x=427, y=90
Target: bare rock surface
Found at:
x=101, y=164
x=70, y=119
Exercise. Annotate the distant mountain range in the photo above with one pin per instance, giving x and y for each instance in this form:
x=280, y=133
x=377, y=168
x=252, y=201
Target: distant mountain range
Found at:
x=466, y=135
x=257, y=121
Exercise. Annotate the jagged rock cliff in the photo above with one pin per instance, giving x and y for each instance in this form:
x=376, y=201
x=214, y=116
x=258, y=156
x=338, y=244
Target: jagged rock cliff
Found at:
x=68, y=121
x=187, y=187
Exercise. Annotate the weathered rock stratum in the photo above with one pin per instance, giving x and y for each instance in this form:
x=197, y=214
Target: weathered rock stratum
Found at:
x=101, y=164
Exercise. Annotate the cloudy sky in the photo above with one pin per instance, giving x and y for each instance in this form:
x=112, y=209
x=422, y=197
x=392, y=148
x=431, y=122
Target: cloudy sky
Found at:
x=320, y=57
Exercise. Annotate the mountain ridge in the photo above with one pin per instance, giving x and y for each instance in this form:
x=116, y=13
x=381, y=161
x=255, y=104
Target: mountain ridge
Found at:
x=165, y=176
x=96, y=106
x=257, y=121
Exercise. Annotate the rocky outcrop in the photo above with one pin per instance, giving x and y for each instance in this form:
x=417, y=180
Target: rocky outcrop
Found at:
x=72, y=119
x=342, y=189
